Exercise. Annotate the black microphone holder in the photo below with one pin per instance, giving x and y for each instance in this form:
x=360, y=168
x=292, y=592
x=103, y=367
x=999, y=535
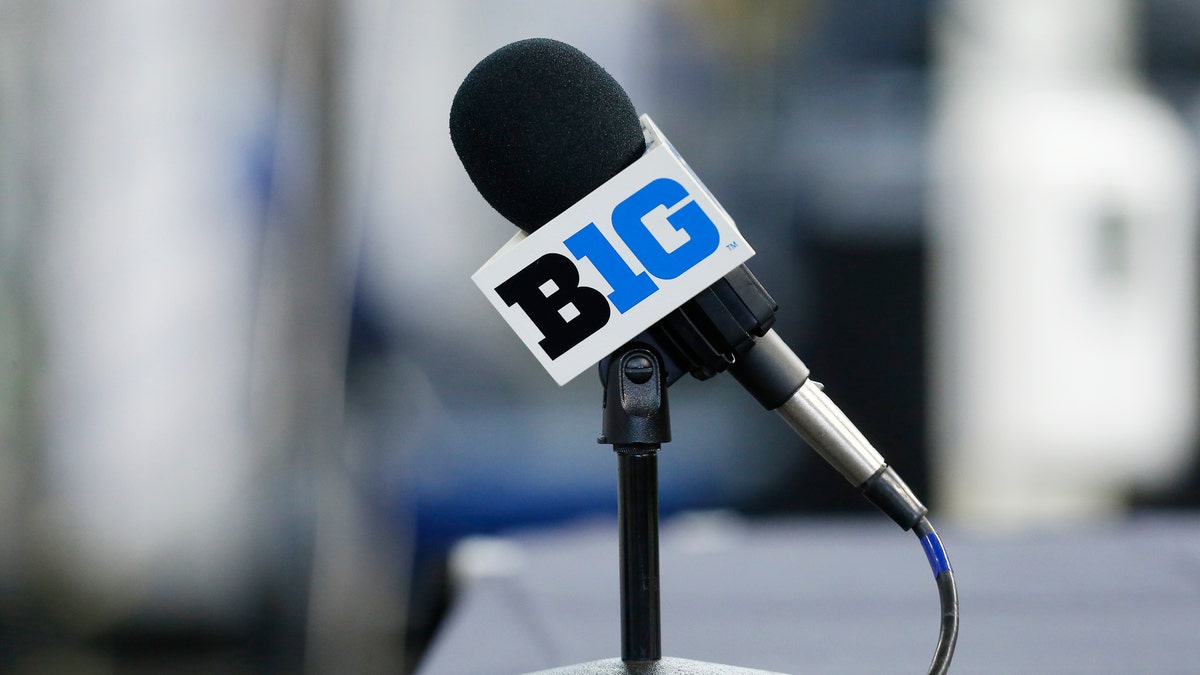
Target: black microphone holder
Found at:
x=637, y=423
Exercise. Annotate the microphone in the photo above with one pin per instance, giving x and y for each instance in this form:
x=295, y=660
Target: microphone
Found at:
x=540, y=127
x=555, y=145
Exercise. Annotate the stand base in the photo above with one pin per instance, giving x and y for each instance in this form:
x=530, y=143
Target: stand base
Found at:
x=664, y=666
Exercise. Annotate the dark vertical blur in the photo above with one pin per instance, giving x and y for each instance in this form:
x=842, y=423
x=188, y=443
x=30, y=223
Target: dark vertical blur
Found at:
x=808, y=120
x=1169, y=57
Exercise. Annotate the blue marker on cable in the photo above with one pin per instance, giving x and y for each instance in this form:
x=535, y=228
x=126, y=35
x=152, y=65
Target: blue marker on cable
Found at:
x=938, y=561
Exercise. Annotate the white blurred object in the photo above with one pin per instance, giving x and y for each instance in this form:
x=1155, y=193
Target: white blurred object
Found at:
x=144, y=279
x=1063, y=209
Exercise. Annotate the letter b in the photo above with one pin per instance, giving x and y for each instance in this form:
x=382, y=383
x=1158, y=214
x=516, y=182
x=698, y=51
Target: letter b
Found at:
x=528, y=290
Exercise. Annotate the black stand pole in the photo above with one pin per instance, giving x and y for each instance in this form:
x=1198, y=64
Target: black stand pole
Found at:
x=637, y=423
x=637, y=514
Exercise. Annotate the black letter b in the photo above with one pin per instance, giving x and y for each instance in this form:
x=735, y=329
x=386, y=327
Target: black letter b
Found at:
x=525, y=289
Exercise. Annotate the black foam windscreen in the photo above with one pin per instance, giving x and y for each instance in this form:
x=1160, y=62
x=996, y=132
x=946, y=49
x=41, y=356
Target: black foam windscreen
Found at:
x=538, y=126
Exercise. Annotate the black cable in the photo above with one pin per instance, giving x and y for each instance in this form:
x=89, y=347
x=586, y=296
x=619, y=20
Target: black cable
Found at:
x=947, y=595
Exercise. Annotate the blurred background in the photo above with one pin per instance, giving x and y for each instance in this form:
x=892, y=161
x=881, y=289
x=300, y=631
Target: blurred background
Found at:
x=250, y=399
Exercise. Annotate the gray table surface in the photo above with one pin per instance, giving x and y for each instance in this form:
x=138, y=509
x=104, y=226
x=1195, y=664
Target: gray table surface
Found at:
x=838, y=595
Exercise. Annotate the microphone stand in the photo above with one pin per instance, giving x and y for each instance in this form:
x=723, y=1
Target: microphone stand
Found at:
x=636, y=423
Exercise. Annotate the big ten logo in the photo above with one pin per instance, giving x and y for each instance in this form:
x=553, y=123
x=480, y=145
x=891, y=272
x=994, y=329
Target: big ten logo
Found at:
x=549, y=291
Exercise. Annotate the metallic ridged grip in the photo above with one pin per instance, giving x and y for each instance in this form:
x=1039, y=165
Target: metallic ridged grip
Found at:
x=812, y=415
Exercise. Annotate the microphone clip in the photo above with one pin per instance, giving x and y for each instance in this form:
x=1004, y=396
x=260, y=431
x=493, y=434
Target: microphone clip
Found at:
x=711, y=331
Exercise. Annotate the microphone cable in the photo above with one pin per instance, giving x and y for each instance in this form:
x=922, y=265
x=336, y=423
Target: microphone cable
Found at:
x=780, y=381
x=943, y=574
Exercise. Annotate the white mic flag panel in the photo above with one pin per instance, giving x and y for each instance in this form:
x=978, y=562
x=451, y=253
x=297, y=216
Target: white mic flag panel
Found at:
x=614, y=263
